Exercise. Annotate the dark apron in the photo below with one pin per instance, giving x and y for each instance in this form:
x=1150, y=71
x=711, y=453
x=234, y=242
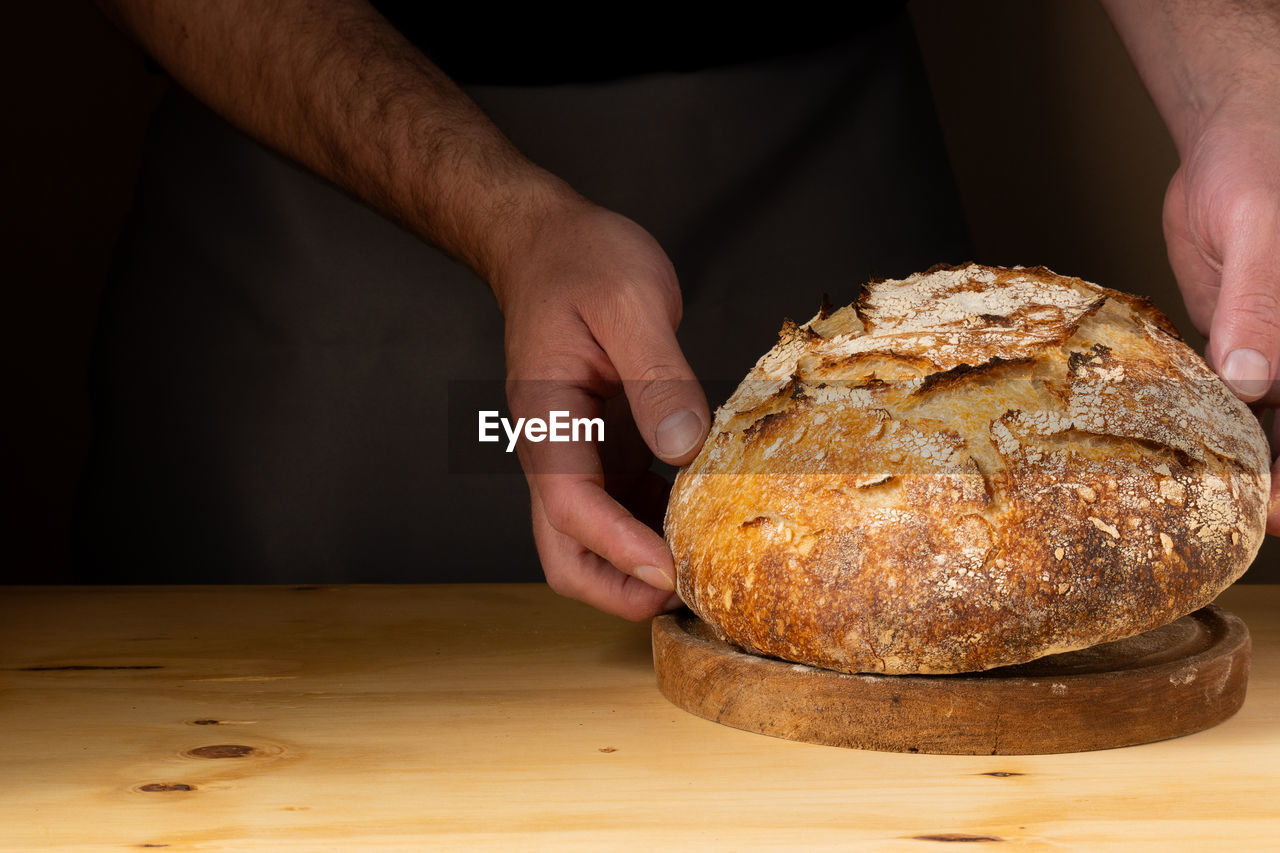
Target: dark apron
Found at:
x=273, y=369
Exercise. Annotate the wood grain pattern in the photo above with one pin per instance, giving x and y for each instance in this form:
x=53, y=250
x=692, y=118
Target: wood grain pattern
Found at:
x=503, y=717
x=1172, y=681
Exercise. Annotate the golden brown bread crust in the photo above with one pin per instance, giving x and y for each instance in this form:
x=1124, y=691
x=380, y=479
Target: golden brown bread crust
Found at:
x=968, y=468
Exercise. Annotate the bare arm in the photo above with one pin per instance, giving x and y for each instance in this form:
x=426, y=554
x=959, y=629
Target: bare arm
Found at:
x=590, y=300
x=332, y=85
x=1213, y=70
x=1195, y=54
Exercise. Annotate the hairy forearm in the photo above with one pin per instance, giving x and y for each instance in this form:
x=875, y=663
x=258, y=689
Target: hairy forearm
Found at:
x=1193, y=54
x=332, y=85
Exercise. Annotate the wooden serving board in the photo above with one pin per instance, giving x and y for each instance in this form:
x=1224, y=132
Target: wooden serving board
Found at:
x=1182, y=678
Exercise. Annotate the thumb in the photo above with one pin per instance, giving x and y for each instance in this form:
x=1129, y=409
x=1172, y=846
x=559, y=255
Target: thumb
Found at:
x=667, y=402
x=1244, y=340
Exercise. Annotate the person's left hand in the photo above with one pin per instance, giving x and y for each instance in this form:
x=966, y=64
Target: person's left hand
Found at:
x=1222, y=225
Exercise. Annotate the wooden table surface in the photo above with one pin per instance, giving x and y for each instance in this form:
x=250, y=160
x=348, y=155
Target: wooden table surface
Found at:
x=374, y=718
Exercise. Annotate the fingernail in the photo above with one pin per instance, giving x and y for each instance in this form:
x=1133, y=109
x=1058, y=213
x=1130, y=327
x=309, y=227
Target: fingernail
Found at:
x=678, y=433
x=675, y=602
x=1247, y=372
x=654, y=577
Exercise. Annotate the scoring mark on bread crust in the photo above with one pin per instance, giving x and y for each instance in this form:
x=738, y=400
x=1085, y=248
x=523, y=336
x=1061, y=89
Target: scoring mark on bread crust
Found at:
x=941, y=379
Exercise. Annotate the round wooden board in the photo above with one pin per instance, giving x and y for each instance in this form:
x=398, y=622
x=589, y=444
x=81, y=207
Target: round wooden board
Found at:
x=1182, y=678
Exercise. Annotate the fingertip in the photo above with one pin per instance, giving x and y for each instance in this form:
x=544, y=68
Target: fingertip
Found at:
x=679, y=435
x=667, y=402
x=637, y=601
x=1247, y=373
x=654, y=577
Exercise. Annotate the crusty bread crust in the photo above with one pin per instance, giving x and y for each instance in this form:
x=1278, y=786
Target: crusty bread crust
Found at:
x=968, y=468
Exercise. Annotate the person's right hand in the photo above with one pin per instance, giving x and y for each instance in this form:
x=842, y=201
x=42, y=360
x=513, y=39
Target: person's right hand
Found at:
x=591, y=305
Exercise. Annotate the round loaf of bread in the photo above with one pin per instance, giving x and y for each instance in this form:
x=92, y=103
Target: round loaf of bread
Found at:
x=968, y=468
